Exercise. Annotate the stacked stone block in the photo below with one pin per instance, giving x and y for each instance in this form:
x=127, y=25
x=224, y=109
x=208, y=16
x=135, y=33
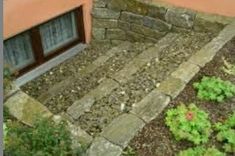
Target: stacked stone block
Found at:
x=140, y=20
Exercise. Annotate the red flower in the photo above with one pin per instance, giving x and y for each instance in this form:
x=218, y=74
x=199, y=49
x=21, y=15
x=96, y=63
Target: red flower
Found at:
x=189, y=115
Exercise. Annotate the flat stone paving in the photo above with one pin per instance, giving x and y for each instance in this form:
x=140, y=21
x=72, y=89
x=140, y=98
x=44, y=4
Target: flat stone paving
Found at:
x=137, y=81
x=123, y=101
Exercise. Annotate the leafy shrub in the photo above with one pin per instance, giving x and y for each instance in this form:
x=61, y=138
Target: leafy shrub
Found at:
x=226, y=133
x=45, y=139
x=200, y=151
x=189, y=123
x=214, y=89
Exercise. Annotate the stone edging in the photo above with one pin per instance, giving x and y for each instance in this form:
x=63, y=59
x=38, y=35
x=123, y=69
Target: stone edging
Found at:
x=26, y=109
x=116, y=136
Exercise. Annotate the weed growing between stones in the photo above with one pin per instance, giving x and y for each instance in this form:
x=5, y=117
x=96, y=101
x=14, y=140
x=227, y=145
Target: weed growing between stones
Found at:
x=129, y=152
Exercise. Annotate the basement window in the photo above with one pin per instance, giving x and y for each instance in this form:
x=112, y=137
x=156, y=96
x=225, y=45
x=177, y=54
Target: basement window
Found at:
x=41, y=43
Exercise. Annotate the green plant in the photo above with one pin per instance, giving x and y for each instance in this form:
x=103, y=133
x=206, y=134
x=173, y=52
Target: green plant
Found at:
x=214, y=89
x=189, y=123
x=228, y=68
x=200, y=151
x=5, y=131
x=129, y=151
x=226, y=133
x=6, y=114
x=46, y=138
x=7, y=77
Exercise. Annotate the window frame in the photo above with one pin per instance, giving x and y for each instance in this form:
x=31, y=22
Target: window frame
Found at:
x=36, y=41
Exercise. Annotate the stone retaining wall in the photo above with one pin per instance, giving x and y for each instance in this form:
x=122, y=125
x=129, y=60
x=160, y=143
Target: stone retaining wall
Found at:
x=142, y=20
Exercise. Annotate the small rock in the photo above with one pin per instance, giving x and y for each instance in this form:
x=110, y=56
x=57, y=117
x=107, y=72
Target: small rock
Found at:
x=123, y=105
x=157, y=85
x=122, y=92
x=133, y=105
x=157, y=59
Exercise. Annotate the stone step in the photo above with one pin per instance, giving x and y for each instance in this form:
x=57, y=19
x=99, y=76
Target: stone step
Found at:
x=25, y=108
x=89, y=69
x=81, y=85
x=131, y=68
x=83, y=105
x=139, y=77
x=70, y=67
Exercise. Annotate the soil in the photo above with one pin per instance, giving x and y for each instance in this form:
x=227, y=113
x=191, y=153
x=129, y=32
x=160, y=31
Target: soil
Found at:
x=156, y=140
x=142, y=83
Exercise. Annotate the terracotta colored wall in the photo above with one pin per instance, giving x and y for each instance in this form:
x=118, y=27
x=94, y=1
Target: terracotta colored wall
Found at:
x=221, y=7
x=20, y=15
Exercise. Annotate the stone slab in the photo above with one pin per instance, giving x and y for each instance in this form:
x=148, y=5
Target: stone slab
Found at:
x=105, y=13
x=171, y=86
x=117, y=5
x=104, y=23
x=131, y=17
x=122, y=129
x=98, y=33
x=203, y=25
x=79, y=107
x=151, y=105
x=84, y=104
x=25, y=108
x=137, y=7
x=157, y=12
x=135, y=37
x=102, y=147
x=100, y=3
x=207, y=53
x=156, y=24
x=180, y=17
x=79, y=136
x=124, y=25
x=132, y=67
x=147, y=31
x=116, y=34
x=186, y=71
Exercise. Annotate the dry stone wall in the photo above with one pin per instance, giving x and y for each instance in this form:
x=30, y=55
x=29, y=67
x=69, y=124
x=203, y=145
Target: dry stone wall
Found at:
x=141, y=20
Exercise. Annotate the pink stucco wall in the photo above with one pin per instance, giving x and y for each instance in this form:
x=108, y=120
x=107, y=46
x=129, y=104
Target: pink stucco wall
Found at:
x=220, y=7
x=20, y=15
